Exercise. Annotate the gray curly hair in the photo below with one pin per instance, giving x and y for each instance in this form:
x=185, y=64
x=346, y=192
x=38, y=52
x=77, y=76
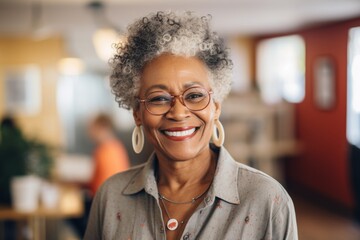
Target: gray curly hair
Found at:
x=179, y=34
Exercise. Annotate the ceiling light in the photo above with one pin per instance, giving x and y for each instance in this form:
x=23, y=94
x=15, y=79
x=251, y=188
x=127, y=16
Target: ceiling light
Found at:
x=104, y=40
x=71, y=66
x=106, y=35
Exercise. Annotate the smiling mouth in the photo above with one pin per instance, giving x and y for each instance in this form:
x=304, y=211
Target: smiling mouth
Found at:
x=180, y=135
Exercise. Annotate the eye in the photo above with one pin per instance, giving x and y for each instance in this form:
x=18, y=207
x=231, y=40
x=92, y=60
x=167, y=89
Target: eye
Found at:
x=195, y=97
x=161, y=99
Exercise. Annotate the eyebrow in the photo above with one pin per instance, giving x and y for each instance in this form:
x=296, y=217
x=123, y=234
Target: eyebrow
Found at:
x=164, y=87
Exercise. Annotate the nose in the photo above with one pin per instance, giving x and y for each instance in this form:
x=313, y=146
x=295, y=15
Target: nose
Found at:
x=178, y=110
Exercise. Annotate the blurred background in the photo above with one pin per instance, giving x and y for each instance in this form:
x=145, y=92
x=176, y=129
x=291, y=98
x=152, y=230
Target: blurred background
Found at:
x=293, y=112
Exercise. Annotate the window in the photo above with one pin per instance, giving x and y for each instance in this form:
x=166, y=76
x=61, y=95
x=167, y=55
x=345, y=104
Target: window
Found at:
x=281, y=69
x=240, y=55
x=353, y=91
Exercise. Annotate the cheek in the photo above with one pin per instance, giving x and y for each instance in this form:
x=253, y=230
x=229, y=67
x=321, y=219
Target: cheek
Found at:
x=148, y=120
x=210, y=114
x=150, y=124
x=207, y=118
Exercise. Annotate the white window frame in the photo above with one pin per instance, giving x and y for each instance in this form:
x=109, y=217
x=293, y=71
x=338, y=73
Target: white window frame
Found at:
x=353, y=88
x=281, y=69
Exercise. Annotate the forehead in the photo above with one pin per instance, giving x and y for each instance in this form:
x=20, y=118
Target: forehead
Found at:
x=174, y=73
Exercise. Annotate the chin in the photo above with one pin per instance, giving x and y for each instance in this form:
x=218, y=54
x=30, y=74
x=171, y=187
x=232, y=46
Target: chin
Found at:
x=181, y=152
x=181, y=148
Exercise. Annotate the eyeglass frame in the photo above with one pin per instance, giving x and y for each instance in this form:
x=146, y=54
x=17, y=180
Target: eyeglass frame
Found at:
x=181, y=100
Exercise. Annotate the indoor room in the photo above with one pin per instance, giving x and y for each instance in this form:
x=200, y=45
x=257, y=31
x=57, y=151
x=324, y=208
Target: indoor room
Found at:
x=293, y=110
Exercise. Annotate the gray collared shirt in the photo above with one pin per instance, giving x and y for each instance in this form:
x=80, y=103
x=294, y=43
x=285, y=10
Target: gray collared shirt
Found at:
x=242, y=203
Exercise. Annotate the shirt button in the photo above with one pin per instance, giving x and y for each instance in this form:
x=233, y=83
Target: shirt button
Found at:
x=161, y=229
x=186, y=236
x=207, y=199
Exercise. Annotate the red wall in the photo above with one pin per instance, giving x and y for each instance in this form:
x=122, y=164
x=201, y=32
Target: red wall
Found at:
x=323, y=166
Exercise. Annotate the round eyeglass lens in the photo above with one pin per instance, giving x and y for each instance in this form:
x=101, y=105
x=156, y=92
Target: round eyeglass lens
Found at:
x=160, y=102
x=196, y=98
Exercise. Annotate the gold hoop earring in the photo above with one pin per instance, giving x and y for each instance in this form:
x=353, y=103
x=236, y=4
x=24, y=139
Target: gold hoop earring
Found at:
x=218, y=139
x=138, y=139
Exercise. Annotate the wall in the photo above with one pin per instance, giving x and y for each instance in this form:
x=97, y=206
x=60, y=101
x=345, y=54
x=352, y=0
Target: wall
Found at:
x=20, y=51
x=244, y=63
x=323, y=166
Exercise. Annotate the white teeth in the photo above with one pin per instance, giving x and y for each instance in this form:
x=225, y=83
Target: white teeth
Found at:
x=180, y=133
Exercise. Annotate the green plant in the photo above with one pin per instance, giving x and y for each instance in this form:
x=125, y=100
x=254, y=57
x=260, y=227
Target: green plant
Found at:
x=20, y=156
x=39, y=159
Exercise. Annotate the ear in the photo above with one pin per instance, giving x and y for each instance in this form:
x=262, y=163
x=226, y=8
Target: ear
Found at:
x=217, y=110
x=137, y=116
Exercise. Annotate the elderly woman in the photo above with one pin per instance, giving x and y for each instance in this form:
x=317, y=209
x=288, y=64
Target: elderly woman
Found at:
x=173, y=72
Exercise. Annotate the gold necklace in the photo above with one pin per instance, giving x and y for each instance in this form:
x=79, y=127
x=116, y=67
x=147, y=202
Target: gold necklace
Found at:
x=193, y=200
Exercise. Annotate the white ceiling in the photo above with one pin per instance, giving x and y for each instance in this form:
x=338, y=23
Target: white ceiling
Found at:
x=73, y=20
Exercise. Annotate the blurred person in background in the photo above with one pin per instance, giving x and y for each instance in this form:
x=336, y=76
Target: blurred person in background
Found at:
x=110, y=155
x=174, y=72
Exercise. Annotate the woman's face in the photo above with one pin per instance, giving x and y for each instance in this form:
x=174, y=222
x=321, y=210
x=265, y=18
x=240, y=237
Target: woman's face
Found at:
x=179, y=134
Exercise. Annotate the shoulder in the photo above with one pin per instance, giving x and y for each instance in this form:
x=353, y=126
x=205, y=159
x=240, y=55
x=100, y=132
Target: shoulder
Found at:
x=249, y=180
x=110, y=200
x=253, y=180
x=261, y=190
x=115, y=185
x=269, y=199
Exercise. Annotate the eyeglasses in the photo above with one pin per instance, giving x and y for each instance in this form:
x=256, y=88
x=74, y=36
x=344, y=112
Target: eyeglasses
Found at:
x=160, y=102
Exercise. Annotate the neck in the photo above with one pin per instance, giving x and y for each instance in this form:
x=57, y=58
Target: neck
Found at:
x=175, y=175
x=182, y=185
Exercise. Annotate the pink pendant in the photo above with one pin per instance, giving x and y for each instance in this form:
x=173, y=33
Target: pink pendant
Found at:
x=172, y=224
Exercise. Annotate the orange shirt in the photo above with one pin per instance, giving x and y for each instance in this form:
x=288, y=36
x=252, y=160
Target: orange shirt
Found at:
x=110, y=157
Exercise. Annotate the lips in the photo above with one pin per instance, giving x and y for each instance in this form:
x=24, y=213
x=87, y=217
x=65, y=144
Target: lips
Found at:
x=179, y=134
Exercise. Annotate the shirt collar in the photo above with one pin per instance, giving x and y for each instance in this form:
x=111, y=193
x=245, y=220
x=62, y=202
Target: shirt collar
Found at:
x=224, y=186
x=144, y=179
